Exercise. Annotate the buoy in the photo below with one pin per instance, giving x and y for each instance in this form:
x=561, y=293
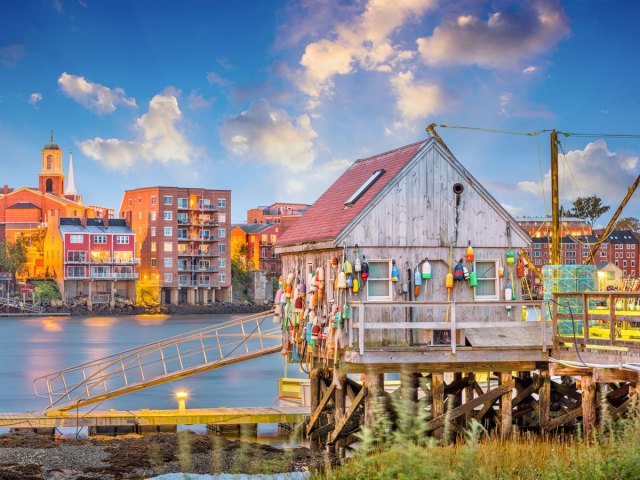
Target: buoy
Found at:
x=510, y=257
x=338, y=321
x=345, y=311
x=473, y=279
x=334, y=261
x=320, y=274
x=349, y=281
x=357, y=266
x=520, y=267
x=417, y=282
x=356, y=286
x=278, y=297
x=458, y=272
x=347, y=267
x=470, y=256
x=465, y=272
x=395, y=275
x=302, y=290
x=310, y=339
x=508, y=293
x=280, y=282
x=342, y=280
x=426, y=270
x=298, y=305
x=405, y=287
x=315, y=333
x=500, y=271
x=449, y=280
x=365, y=276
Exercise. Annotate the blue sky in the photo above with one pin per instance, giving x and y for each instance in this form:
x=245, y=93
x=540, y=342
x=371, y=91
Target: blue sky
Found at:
x=274, y=99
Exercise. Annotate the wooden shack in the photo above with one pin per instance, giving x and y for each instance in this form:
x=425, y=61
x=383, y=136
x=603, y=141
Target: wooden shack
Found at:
x=365, y=291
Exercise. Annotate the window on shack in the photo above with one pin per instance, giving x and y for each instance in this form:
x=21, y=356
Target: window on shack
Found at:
x=379, y=283
x=487, y=275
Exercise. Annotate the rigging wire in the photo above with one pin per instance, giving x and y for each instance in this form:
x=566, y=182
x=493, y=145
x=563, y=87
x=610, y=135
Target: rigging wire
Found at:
x=492, y=130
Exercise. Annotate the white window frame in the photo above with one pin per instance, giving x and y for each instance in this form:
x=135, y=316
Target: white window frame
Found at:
x=167, y=200
x=168, y=278
x=183, y=202
x=153, y=231
x=153, y=216
x=76, y=239
x=168, y=232
x=122, y=239
x=167, y=247
x=167, y=215
x=168, y=262
x=222, y=202
x=222, y=232
x=496, y=296
x=380, y=298
x=99, y=239
x=154, y=246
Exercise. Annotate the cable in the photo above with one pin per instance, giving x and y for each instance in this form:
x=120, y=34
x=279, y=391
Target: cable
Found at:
x=600, y=135
x=492, y=130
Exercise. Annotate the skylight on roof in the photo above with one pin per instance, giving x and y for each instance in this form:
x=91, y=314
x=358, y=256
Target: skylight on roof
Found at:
x=365, y=186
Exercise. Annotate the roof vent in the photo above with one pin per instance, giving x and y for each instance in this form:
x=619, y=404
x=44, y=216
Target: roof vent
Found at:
x=363, y=188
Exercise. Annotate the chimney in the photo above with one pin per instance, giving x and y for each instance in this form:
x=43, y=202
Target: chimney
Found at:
x=6, y=189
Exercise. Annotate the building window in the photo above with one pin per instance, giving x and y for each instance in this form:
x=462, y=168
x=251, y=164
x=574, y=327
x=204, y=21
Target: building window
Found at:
x=632, y=247
x=76, y=272
x=222, y=262
x=569, y=246
x=537, y=261
x=76, y=238
x=537, y=246
x=183, y=280
x=222, y=232
x=153, y=246
x=624, y=263
x=168, y=231
x=122, y=239
x=153, y=216
x=204, y=234
x=168, y=246
x=273, y=239
x=182, y=234
x=603, y=254
x=183, y=203
x=571, y=262
x=130, y=201
x=139, y=215
x=570, y=254
x=76, y=257
x=487, y=288
x=537, y=254
x=168, y=262
x=153, y=262
x=140, y=200
x=222, y=202
x=585, y=254
x=222, y=248
x=379, y=283
x=223, y=277
x=168, y=215
x=99, y=239
x=153, y=199
x=168, y=278
x=168, y=200
x=222, y=217
x=153, y=231
x=633, y=263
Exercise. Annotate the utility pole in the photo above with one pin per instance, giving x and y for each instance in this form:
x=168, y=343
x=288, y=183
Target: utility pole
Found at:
x=555, y=213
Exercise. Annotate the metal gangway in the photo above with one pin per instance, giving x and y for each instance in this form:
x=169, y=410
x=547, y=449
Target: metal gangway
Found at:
x=160, y=362
x=24, y=306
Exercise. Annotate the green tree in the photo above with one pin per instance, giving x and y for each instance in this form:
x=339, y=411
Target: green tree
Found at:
x=13, y=257
x=589, y=208
x=241, y=256
x=148, y=294
x=629, y=223
x=240, y=279
x=47, y=291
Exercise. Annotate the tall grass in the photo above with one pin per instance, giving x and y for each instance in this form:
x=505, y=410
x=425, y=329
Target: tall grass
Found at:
x=613, y=453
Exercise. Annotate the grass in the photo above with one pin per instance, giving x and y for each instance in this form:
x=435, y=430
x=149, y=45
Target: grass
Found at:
x=612, y=454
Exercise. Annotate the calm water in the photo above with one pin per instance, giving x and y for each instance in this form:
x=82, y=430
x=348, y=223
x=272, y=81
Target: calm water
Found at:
x=33, y=346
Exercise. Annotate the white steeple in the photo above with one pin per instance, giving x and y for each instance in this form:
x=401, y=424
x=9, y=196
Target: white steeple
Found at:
x=71, y=187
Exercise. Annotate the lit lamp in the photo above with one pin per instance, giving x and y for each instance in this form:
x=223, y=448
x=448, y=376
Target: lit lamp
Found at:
x=602, y=276
x=181, y=395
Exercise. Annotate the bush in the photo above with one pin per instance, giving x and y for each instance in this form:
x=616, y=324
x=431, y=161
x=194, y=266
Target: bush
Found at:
x=45, y=292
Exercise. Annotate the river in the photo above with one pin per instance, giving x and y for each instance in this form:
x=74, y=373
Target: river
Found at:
x=34, y=346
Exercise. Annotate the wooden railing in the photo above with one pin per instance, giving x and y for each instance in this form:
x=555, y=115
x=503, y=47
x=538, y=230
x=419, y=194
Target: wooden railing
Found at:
x=447, y=319
x=597, y=318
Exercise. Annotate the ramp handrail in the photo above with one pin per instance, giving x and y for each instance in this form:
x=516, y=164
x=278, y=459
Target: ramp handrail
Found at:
x=21, y=305
x=159, y=362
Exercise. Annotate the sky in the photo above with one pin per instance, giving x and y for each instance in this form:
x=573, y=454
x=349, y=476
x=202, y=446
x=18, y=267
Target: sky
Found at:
x=275, y=99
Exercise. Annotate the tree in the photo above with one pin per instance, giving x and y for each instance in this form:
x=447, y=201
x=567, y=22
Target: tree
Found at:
x=240, y=255
x=148, y=295
x=47, y=291
x=589, y=208
x=13, y=256
x=240, y=280
x=629, y=223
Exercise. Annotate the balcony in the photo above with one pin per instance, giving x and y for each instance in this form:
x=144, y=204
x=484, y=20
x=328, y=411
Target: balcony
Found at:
x=199, y=283
x=198, y=253
x=113, y=276
x=82, y=276
x=201, y=207
x=198, y=222
x=76, y=261
x=198, y=268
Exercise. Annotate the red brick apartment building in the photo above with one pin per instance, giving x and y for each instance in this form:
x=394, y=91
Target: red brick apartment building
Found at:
x=182, y=241
x=92, y=257
x=282, y=213
x=621, y=248
x=538, y=227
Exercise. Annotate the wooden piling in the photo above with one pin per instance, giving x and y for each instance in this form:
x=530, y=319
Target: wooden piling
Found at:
x=437, y=399
x=544, y=398
x=588, y=387
x=506, y=419
x=375, y=392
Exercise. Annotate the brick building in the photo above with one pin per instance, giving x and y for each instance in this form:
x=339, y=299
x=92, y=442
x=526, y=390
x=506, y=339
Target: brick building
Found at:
x=283, y=213
x=93, y=258
x=182, y=241
x=260, y=239
x=538, y=227
x=621, y=249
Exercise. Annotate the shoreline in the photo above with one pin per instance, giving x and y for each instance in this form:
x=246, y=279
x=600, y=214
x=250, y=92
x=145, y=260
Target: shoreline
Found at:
x=33, y=456
x=101, y=311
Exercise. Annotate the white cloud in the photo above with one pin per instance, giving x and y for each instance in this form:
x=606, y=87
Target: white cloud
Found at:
x=10, y=54
x=530, y=69
x=268, y=135
x=93, y=96
x=514, y=211
x=506, y=38
x=215, y=79
x=417, y=100
x=34, y=98
x=595, y=170
x=362, y=42
x=159, y=139
x=196, y=101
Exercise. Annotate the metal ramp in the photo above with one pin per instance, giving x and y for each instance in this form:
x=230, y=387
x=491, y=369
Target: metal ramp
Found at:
x=160, y=362
x=25, y=307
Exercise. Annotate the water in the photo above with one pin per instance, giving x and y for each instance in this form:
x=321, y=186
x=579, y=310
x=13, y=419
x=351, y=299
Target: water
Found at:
x=34, y=346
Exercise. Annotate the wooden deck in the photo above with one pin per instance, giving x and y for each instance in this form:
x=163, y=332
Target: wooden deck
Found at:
x=114, y=418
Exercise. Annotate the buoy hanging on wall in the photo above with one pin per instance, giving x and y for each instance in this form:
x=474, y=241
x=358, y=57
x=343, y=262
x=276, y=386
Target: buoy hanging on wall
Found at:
x=426, y=270
x=470, y=256
x=417, y=282
x=395, y=275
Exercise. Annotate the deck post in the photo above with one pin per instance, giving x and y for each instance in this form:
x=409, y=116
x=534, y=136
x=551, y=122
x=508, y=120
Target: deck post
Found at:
x=588, y=387
x=506, y=419
x=409, y=390
x=373, y=400
x=437, y=398
x=469, y=392
x=544, y=398
x=314, y=401
x=340, y=399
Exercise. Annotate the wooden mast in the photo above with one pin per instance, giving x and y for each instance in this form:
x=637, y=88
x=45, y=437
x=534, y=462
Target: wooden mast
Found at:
x=555, y=213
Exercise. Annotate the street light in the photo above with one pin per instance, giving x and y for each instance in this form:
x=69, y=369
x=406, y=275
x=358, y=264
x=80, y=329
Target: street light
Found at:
x=181, y=395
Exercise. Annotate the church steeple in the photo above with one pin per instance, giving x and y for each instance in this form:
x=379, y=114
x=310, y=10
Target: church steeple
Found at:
x=51, y=177
x=71, y=186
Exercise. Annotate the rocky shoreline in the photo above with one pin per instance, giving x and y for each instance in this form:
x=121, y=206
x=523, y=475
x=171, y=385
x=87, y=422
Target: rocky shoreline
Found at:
x=219, y=308
x=28, y=456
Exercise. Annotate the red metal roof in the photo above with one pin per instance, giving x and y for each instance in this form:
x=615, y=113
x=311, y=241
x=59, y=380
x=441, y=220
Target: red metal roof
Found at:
x=328, y=215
